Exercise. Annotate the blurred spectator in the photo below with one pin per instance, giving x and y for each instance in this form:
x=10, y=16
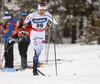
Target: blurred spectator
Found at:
x=10, y=31
x=24, y=43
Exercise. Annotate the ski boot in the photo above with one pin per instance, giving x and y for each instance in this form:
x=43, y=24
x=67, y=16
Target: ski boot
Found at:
x=35, y=73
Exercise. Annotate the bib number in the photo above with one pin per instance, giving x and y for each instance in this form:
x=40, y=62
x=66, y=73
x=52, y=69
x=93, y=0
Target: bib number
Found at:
x=39, y=25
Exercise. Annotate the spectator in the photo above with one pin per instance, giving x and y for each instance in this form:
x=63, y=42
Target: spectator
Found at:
x=10, y=31
x=24, y=43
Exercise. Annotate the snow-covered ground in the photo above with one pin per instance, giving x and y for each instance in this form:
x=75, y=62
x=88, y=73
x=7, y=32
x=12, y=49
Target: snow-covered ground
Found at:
x=80, y=65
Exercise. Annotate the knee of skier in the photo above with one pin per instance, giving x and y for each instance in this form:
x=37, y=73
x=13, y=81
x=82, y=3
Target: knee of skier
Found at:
x=37, y=53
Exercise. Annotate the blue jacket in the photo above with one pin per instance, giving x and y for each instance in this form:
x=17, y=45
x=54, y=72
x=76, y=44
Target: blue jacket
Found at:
x=10, y=29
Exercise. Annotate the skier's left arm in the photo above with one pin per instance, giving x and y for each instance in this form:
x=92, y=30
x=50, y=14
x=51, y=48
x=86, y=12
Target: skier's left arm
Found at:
x=52, y=17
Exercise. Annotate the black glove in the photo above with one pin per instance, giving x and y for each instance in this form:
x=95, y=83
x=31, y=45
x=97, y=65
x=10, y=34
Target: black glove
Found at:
x=23, y=34
x=51, y=11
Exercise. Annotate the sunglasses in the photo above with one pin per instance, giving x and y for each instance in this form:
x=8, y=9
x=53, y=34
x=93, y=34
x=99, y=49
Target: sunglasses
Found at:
x=24, y=14
x=42, y=4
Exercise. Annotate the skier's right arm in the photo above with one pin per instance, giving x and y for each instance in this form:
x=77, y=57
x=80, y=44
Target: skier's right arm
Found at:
x=27, y=20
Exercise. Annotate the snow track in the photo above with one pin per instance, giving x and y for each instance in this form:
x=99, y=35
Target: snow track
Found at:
x=84, y=67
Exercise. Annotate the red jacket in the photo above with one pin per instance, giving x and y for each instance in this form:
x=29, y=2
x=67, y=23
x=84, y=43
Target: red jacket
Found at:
x=27, y=30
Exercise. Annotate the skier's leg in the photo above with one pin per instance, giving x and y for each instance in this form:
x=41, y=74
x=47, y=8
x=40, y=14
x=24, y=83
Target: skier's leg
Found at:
x=36, y=44
x=37, y=50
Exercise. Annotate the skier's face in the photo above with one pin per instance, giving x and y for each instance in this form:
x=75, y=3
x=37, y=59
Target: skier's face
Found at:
x=23, y=17
x=6, y=20
x=41, y=11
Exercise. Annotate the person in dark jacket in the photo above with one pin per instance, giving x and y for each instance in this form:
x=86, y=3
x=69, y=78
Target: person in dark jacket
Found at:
x=10, y=30
x=24, y=43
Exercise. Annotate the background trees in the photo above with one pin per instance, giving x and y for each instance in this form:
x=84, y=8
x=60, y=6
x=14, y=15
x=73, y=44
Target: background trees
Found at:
x=73, y=15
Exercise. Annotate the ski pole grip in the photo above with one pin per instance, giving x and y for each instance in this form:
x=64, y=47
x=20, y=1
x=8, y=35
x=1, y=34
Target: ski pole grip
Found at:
x=51, y=11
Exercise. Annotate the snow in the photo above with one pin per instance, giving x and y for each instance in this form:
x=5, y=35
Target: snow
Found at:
x=81, y=65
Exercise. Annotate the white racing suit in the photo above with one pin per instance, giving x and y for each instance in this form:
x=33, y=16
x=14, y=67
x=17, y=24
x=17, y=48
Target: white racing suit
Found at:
x=37, y=35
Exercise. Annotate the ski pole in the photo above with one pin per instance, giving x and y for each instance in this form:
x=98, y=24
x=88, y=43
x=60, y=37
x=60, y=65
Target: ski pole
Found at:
x=0, y=50
x=5, y=46
x=1, y=43
x=41, y=72
x=54, y=46
x=49, y=35
x=55, y=57
x=3, y=6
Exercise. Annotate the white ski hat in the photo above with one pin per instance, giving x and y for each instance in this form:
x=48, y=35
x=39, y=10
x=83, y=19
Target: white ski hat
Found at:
x=7, y=15
x=42, y=6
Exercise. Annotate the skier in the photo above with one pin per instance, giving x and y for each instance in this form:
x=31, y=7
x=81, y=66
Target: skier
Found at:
x=9, y=33
x=38, y=21
x=24, y=43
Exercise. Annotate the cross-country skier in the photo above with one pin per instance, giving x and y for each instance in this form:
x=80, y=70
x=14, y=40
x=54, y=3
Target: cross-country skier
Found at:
x=38, y=21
